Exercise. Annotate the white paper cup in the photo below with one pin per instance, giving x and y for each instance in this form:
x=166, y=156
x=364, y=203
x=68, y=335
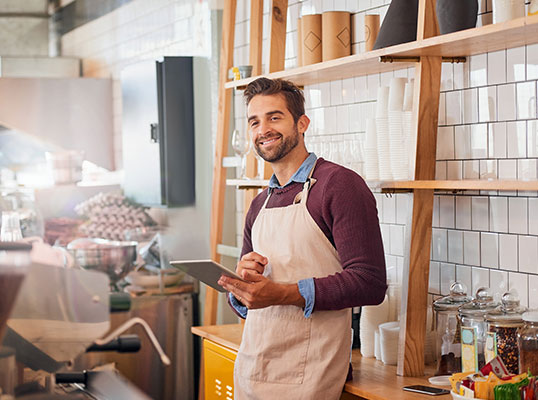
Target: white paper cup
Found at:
x=396, y=94
x=505, y=10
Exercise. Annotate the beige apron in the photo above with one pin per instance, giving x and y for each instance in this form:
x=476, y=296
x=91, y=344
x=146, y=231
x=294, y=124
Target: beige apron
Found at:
x=284, y=355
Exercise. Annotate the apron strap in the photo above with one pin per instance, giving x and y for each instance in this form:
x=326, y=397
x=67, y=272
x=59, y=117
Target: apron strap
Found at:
x=308, y=184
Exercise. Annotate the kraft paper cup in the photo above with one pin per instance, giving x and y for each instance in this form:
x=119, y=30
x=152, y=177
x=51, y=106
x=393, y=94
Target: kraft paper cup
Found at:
x=336, y=34
x=311, y=45
x=371, y=29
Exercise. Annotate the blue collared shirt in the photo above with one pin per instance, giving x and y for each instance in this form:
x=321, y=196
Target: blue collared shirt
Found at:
x=306, y=286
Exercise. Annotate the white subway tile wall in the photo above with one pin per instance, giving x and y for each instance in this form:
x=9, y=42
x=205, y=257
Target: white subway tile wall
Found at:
x=487, y=130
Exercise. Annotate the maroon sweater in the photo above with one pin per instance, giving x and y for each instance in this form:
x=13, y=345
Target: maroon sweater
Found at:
x=344, y=208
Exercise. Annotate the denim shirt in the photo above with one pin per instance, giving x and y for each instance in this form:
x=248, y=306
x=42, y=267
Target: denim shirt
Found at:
x=306, y=286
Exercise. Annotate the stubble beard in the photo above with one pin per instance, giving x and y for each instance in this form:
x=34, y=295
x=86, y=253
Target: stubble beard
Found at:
x=284, y=148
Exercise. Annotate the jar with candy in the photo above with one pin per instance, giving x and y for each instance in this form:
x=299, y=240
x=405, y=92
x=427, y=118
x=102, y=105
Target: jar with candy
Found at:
x=503, y=324
x=527, y=340
x=447, y=329
x=474, y=328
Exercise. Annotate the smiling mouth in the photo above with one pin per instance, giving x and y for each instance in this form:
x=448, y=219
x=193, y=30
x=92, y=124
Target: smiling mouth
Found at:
x=268, y=141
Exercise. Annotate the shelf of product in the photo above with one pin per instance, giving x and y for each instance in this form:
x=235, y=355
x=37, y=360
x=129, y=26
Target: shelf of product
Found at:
x=488, y=38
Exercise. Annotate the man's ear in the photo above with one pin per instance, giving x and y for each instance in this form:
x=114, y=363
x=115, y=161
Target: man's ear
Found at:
x=303, y=123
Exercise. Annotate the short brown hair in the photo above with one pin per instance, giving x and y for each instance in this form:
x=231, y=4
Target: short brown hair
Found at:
x=266, y=87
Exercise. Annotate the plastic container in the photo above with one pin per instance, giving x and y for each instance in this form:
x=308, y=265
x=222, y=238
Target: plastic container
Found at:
x=503, y=325
x=473, y=316
x=447, y=326
x=527, y=341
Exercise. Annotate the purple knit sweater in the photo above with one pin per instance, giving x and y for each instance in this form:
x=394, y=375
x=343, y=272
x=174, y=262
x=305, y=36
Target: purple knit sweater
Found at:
x=344, y=208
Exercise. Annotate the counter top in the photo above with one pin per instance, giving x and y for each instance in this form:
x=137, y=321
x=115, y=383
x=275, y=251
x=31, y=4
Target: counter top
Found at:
x=371, y=378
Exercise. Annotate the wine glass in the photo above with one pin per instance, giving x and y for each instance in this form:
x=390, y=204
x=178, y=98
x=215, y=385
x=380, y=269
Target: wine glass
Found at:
x=241, y=146
x=259, y=162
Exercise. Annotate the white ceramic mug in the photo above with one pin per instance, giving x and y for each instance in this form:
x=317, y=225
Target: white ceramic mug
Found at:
x=505, y=10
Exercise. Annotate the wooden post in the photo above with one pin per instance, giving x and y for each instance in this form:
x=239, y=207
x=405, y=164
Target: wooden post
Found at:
x=221, y=145
x=416, y=272
x=255, y=59
x=277, y=35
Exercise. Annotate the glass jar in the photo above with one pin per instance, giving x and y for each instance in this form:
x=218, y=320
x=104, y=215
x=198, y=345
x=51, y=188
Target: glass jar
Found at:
x=503, y=325
x=14, y=261
x=447, y=329
x=474, y=326
x=527, y=341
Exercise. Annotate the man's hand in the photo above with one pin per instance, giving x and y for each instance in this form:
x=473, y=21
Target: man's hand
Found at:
x=252, y=262
x=260, y=292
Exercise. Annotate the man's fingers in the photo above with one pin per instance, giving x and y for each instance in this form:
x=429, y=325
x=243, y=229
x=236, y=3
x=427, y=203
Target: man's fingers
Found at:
x=250, y=265
x=253, y=256
x=251, y=277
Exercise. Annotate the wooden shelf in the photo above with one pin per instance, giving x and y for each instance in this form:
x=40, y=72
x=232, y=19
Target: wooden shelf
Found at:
x=371, y=378
x=494, y=37
x=247, y=183
x=457, y=185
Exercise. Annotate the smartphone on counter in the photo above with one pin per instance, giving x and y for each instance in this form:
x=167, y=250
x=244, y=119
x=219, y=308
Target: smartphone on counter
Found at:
x=432, y=391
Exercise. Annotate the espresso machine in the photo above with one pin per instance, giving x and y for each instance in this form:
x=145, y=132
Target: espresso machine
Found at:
x=56, y=315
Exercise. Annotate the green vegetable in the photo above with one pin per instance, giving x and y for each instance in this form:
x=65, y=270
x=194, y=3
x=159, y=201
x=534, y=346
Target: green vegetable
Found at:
x=509, y=391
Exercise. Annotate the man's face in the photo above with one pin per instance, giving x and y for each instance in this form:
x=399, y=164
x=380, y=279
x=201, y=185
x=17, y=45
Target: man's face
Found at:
x=273, y=131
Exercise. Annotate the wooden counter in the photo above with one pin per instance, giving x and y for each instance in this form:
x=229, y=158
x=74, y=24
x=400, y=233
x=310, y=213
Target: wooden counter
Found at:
x=371, y=378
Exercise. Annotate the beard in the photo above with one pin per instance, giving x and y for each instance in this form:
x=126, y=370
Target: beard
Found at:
x=283, y=149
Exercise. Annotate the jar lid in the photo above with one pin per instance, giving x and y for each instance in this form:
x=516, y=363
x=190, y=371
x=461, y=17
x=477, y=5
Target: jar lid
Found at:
x=509, y=311
x=480, y=306
x=530, y=316
x=457, y=297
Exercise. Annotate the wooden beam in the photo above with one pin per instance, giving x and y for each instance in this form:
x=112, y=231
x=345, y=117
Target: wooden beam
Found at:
x=417, y=266
x=415, y=287
x=427, y=25
x=221, y=146
x=256, y=36
x=255, y=59
x=277, y=35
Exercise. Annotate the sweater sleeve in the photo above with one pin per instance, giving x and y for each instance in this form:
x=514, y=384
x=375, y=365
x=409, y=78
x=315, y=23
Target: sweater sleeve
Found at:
x=349, y=209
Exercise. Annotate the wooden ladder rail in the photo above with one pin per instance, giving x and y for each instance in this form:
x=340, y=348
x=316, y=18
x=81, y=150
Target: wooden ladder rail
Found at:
x=417, y=265
x=277, y=44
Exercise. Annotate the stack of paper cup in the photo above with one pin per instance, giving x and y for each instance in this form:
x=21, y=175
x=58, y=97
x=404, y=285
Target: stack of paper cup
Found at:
x=397, y=139
x=371, y=318
x=408, y=95
x=505, y=10
x=411, y=142
x=371, y=168
x=382, y=129
x=389, y=333
x=396, y=94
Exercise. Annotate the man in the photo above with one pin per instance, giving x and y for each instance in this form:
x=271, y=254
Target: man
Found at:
x=312, y=249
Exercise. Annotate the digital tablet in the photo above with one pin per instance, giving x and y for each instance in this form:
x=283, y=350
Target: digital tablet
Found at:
x=206, y=271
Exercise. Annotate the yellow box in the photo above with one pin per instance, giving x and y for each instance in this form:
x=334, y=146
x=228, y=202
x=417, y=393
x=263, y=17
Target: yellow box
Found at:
x=218, y=371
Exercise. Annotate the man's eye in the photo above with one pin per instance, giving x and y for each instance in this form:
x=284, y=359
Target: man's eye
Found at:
x=274, y=118
x=253, y=124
